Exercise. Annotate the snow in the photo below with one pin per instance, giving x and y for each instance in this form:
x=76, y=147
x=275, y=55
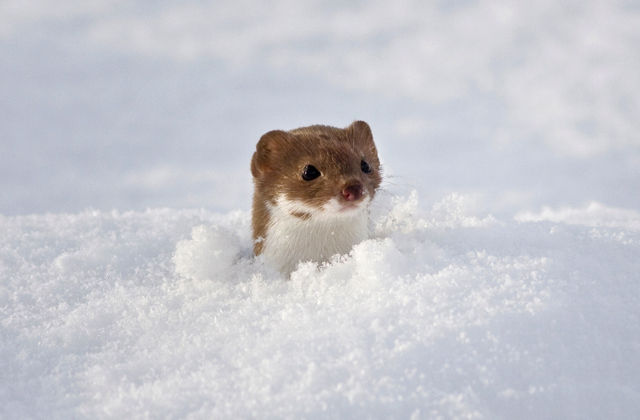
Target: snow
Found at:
x=593, y=214
x=443, y=313
x=210, y=252
x=501, y=279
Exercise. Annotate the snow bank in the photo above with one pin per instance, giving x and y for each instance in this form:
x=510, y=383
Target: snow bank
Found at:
x=444, y=313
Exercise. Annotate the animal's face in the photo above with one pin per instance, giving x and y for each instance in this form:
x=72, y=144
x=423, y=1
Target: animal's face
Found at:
x=318, y=170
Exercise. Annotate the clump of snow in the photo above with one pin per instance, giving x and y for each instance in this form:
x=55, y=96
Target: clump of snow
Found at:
x=211, y=251
x=444, y=313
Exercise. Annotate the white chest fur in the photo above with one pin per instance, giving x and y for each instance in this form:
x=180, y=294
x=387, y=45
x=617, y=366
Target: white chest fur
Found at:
x=291, y=239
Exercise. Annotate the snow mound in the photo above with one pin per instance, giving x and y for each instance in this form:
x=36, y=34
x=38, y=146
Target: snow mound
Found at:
x=444, y=313
x=211, y=251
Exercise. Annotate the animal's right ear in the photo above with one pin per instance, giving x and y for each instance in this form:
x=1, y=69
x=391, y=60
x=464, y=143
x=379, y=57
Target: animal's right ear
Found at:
x=360, y=133
x=269, y=150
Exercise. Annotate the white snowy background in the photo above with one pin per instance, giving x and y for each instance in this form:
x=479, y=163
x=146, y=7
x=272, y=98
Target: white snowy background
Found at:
x=502, y=279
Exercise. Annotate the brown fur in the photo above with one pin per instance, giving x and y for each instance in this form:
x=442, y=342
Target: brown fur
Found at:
x=280, y=158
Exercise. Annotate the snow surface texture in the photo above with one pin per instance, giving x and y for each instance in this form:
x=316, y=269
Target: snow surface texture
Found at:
x=443, y=314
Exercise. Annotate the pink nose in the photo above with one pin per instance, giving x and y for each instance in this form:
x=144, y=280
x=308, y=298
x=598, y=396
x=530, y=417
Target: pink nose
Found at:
x=352, y=192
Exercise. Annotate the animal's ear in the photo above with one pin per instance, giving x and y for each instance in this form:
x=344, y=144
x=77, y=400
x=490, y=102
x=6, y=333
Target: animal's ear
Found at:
x=360, y=133
x=269, y=150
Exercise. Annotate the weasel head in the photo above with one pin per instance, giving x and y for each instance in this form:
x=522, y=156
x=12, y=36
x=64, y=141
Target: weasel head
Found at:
x=317, y=172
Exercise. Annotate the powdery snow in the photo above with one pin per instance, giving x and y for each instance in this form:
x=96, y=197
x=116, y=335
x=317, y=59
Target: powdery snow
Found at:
x=444, y=313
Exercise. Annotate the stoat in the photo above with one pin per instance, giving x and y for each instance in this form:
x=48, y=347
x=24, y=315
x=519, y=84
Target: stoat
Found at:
x=312, y=189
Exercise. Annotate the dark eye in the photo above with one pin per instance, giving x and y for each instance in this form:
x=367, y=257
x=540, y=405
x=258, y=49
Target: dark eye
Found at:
x=365, y=167
x=310, y=172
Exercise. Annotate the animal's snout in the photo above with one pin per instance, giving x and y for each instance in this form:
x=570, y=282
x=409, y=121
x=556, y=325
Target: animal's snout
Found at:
x=352, y=192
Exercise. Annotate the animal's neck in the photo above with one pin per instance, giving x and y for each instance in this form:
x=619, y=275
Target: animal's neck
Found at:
x=291, y=239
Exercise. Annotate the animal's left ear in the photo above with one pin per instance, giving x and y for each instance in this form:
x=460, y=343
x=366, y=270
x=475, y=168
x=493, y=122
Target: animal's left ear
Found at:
x=270, y=151
x=360, y=132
